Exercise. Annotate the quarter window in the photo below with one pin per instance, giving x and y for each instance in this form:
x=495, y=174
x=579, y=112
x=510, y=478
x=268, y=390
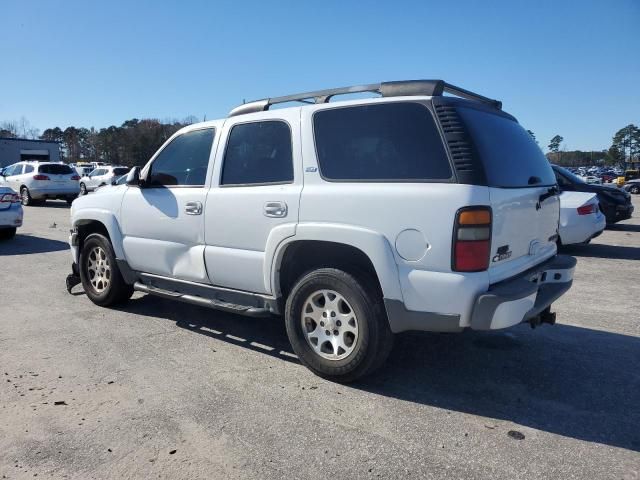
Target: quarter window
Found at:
x=184, y=161
x=258, y=153
x=380, y=142
x=28, y=169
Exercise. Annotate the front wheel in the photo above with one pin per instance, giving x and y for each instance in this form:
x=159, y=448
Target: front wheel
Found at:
x=99, y=272
x=337, y=325
x=635, y=189
x=83, y=189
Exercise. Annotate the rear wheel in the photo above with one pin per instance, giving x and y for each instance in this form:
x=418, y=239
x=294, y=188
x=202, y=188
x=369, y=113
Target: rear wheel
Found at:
x=337, y=325
x=83, y=189
x=99, y=272
x=25, y=197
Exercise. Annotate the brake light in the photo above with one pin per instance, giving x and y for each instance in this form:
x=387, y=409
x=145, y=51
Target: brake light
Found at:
x=40, y=177
x=10, y=198
x=587, y=209
x=471, y=239
x=75, y=177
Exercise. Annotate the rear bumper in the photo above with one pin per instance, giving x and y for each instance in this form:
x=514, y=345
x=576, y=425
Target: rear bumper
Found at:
x=54, y=191
x=524, y=297
x=11, y=217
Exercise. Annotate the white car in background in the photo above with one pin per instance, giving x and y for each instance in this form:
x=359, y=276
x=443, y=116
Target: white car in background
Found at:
x=102, y=175
x=10, y=212
x=580, y=218
x=39, y=181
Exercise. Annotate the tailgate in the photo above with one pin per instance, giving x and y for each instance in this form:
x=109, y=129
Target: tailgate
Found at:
x=524, y=229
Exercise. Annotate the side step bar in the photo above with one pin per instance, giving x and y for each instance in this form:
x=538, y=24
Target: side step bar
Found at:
x=203, y=302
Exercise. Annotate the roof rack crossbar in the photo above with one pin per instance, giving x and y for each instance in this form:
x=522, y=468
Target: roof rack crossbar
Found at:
x=385, y=89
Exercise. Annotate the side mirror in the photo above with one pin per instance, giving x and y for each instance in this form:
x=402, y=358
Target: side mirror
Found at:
x=133, y=177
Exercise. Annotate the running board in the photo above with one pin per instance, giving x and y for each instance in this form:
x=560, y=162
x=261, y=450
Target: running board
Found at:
x=203, y=302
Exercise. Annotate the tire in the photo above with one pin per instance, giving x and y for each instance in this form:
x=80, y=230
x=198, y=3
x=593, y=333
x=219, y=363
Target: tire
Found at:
x=83, y=188
x=25, y=197
x=357, y=345
x=7, y=233
x=635, y=189
x=99, y=273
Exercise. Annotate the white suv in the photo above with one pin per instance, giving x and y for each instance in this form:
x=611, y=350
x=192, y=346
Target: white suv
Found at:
x=354, y=220
x=39, y=181
x=102, y=175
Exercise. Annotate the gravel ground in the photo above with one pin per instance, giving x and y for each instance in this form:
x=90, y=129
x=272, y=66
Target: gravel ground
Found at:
x=158, y=389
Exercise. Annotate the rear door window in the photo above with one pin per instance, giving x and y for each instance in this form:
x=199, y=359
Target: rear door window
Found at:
x=380, y=142
x=511, y=158
x=258, y=153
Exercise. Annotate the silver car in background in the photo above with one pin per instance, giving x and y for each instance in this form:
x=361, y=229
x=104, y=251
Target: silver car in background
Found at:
x=102, y=175
x=36, y=182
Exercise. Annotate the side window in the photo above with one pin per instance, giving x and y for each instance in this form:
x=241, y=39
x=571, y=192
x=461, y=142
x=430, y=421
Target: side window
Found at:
x=380, y=142
x=28, y=169
x=8, y=171
x=17, y=170
x=184, y=161
x=257, y=153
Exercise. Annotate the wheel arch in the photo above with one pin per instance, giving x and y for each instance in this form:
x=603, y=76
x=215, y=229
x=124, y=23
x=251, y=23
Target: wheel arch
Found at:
x=100, y=222
x=318, y=245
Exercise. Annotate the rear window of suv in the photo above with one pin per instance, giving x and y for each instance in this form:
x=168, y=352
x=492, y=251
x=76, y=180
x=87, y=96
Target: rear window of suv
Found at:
x=55, y=169
x=511, y=158
x=380, y=142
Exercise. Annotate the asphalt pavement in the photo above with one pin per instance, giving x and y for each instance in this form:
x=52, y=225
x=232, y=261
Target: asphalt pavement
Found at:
x=158, y=389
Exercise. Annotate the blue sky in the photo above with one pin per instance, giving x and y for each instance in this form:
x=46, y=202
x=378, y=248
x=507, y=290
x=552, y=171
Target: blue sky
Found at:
x=567, y=67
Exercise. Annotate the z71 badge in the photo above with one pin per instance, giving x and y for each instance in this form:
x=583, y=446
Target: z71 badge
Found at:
x=502, y=254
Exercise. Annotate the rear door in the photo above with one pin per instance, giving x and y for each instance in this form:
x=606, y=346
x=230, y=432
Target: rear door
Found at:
x=253, y=202
x=522, y=188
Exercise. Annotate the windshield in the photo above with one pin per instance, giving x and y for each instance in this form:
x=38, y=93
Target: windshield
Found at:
x=569, y=174
x=511, y=158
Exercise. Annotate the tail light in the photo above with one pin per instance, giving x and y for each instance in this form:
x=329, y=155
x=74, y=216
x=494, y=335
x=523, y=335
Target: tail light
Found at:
x=471, y=239
x=40, y=177
x=587, y=209
x=75, y=177
x=10, y=198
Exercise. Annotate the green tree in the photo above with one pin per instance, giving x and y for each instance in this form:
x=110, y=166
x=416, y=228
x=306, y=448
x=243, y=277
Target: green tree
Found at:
x=533, y=135
x=554, y=144
x=627, y=142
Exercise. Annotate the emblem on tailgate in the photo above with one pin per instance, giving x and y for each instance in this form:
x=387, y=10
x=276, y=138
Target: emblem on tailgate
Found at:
x=502, y=254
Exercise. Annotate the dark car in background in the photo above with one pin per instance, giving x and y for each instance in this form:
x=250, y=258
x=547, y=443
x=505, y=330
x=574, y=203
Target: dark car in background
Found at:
x=615, y=202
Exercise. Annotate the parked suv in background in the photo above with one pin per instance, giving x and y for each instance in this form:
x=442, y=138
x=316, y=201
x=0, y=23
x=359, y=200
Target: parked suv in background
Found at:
x=101, y=176
x=615, y=202
x=39, y=181
x=419, y=212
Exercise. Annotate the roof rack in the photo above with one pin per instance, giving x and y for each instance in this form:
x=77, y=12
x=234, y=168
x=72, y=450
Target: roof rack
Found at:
x=385, y=89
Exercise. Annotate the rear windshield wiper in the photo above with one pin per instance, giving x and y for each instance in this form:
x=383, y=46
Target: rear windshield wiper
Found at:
x=552, y=192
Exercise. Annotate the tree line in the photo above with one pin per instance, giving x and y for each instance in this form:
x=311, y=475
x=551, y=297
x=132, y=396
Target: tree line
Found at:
x=131, y=143
x=624, y=150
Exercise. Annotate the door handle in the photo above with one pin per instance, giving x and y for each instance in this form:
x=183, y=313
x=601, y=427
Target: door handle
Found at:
x=193, y=208
x=275, y=209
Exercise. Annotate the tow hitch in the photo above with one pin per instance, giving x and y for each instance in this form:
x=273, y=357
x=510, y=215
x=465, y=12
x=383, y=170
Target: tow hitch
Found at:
x=546, y=316
x=73, y=278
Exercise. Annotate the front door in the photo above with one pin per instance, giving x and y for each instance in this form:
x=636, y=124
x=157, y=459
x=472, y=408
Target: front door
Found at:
x=163, y=221
x=253, y=202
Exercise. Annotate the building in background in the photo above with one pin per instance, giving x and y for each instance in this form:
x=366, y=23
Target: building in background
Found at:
x=14, y=150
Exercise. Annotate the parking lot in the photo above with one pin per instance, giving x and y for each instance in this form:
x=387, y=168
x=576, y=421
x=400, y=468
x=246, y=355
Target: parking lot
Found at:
x=158, y=389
